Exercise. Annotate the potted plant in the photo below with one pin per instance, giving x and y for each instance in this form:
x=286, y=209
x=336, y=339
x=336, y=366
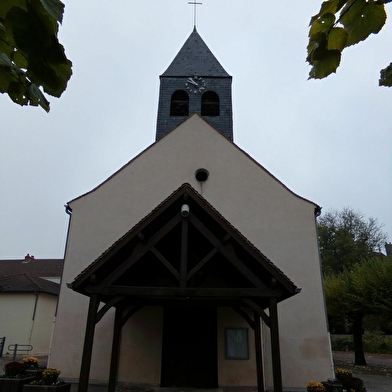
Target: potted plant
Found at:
x=30, y=362
x=49, y=382
x=353, y=384
x=32, y=367
x=342, y=373
x=14, y=377
x=314, y=386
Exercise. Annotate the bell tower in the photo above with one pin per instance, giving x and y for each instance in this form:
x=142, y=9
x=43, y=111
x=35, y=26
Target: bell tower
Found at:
x=195, y=82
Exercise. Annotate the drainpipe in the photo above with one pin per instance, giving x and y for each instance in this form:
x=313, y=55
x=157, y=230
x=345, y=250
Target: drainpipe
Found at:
x=33, y=318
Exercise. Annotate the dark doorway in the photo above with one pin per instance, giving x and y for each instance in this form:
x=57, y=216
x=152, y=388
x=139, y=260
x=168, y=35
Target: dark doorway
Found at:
x=189, y=347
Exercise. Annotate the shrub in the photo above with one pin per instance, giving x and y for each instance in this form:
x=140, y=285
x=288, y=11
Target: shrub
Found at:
x=372, y=343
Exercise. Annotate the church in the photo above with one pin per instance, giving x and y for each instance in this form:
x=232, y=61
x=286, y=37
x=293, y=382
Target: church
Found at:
x=192, y=265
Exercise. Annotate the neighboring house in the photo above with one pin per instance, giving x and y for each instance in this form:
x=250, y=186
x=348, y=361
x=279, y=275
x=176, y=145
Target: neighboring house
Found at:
x=28, y=296
x=174, y=261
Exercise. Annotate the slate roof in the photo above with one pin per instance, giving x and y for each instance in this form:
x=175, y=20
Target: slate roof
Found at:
x=24, y=283
x=195, y=58
x=32, y=267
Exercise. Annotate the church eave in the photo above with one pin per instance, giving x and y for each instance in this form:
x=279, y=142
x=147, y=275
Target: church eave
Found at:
x=280, y=285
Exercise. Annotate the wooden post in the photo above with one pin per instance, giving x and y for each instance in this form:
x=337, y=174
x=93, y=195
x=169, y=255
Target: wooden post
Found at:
x=184, y=252
x=115, y=349
x=88, y=343
x=259, y=353
x=275, y=348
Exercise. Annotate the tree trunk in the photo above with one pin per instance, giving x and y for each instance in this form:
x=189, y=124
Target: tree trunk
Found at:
x=357, y=336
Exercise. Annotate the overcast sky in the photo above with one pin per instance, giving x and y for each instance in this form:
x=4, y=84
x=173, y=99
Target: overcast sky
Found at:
x=329, y=141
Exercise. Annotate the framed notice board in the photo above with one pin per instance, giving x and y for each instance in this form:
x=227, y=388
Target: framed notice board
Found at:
x=237, y=344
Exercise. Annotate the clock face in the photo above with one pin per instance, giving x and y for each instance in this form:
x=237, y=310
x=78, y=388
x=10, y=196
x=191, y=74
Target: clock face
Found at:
x=195, y=84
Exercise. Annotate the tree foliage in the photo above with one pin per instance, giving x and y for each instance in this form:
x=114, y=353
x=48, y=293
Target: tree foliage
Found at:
x=346, y=238
x=364, y=289
x=31, y=56
x=339, y=24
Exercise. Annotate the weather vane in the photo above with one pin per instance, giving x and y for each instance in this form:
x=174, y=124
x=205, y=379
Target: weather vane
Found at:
x=195, y=4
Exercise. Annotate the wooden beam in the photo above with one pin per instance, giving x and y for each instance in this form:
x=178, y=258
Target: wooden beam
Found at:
x=115, y=350
x=275, y=346
x=163, y=260
x=259, y=310
x=88, y=343
x=178, y=292
x=229, y=254
x=184, y=252
x=130, y=313
x=244, y=315
x=202, y=263
x=259, y=353
x=143, y=250
x=107, y=306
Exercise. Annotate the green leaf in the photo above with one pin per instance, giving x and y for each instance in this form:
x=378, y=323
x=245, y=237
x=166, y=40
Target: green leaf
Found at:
x=361, y=18
x=37, y=98
x=324, y=63
x=31, y=57
x=5, y=79
x=6, y=5
x=329, y=6
x=316, y=41
x=386, y=76
x=5, y=47
x=54, y=8
x=322, y=24
x=337, y=39
x=20, y=59
x=41, y=16
x=17, y=93
x=17, y=28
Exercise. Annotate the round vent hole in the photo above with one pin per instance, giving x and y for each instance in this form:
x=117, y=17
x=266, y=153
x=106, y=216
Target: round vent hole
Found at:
x=201, y=175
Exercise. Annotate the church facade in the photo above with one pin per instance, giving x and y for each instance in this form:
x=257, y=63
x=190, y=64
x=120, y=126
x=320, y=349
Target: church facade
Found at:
x=192, y=266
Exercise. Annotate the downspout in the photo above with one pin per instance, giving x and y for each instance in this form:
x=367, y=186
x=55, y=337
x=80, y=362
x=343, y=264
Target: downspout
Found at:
x=33, y=318
x=68, y=211
x=317, y=213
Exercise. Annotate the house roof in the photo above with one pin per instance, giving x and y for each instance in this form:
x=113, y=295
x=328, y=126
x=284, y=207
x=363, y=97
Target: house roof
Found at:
x=195, y=58
x=32, y=267
x=25, y=283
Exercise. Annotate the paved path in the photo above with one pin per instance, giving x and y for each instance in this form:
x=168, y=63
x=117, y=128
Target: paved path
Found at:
x=373, y=383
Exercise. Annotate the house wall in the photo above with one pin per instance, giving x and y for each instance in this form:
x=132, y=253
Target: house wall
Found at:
x=43, y=323
x=17, y=323
x=279, y=223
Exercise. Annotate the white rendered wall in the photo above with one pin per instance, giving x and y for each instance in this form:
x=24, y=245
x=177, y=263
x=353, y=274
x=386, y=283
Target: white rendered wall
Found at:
x=279, y=223
x=17, y=323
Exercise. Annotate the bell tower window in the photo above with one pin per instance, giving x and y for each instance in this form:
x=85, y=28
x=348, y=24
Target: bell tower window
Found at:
x=210, y=104
x=179, y=105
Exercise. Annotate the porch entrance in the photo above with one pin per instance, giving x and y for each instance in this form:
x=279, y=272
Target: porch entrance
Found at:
x=189, y=347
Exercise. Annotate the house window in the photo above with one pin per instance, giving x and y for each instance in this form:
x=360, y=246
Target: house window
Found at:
x=237, y=344
x=210, y=104
x=179, y=105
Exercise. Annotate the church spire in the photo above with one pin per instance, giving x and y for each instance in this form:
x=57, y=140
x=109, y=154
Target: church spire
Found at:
x=195, y=81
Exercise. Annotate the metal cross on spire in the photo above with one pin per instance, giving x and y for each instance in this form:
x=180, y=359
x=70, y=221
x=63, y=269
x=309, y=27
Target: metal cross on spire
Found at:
x=195, y=4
